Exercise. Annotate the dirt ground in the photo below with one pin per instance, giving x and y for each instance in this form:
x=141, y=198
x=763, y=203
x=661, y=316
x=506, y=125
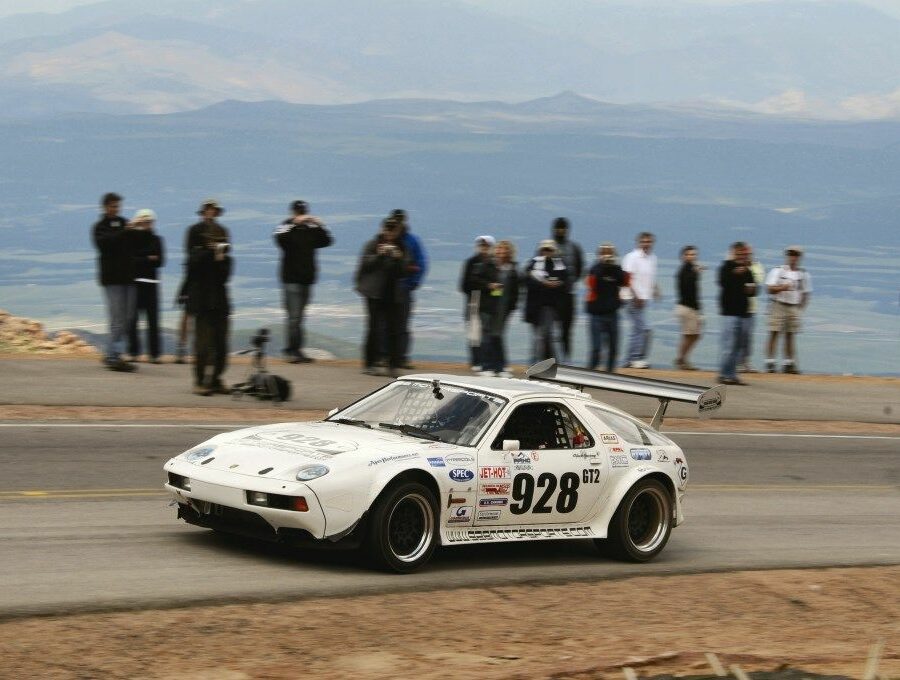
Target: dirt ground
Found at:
x=817, y=620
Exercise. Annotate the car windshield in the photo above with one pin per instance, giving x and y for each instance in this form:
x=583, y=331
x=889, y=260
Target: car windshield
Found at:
x=430, y=410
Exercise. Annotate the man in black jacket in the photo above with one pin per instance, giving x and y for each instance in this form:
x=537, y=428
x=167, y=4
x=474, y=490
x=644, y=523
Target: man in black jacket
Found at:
x=687, y=282
x=208, y=270
x=299, y=237
x=115, y=269
x=737, y=287
x=602, y=303
x=149, y=257
x=484, y=246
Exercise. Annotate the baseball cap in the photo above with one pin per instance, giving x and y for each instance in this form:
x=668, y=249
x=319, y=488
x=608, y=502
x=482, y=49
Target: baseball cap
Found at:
x=547, y=244
x=144, y=214
x=485, y=238
x=793, y=250
x=299, y=206
x=210, y=203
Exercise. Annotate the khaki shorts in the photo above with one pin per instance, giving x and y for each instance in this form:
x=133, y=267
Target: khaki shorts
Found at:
x=784, y=318
x=691, y=320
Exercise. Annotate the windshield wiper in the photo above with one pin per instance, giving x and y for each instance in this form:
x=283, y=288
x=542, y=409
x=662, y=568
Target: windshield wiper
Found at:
x=411, y=430
x=351, y=421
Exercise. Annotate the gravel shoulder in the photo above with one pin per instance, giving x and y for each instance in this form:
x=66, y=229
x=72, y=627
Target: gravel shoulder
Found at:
x=819, y=620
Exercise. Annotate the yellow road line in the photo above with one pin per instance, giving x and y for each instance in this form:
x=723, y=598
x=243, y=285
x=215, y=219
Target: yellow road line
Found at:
x=791, y=487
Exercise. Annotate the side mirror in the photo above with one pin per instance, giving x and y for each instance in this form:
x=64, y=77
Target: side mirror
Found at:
x=332, y=412
x=511, y=445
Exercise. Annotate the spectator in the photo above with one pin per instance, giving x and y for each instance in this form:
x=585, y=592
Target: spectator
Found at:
x=745, y=361
x=149, y=258
x=299, y=236
x=604, y=283
x=508, y=268
x=483, y=249
x=417, y=272
x=640, y=265
x=572, y=255
x=546, y=279
x=496, y=279
x=380, y=279
x=184, y=325
x=789, y=287
x=115, y=268
x=688, y=309
x=208, y=270
x=737, y=287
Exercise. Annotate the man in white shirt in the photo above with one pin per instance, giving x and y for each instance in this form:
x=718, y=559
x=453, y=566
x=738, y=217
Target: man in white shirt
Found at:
x=640, y=265
x=789, y=289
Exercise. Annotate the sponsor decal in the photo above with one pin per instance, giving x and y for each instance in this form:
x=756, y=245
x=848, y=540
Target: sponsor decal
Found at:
x=710, y=402
x=609, y=438
x=501, y=472
x=617, y=449
x=682, y=476
x=489, y=515
x=590, y=476
x=436, y=462
x=679, y=461
x=441, y=445
x=461, y=515
x=618, y=460
x=495, y=489
x=461, y=475
x=522, y=460
x=662, y=457
x=585, y=454
x=485, y=535
x=641, y=454
x=488, y=502
x=459, y=459
x=393, y=459
x=296, y=443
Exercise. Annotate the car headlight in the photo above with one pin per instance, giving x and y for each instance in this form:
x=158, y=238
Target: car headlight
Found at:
x=309, y=472
x=198, y=453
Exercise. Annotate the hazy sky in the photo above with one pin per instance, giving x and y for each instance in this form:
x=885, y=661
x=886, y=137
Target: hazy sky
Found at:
x=8, y=7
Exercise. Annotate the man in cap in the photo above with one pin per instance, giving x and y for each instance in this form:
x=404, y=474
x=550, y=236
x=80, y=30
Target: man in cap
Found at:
x=604, y=283
x=149, y=257
x=299, y=236
x=209, y=267
x=417, y=270
x=468, y=285
x=572, y=255
x=789, y=287
x=640, y=265
x=546, y=282
x=115, y=269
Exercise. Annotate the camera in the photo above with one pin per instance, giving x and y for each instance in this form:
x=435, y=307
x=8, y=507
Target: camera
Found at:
x=261, y=338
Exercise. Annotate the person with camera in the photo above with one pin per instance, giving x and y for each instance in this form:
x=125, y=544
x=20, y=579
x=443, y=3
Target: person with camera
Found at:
x=149, y=257
x=299, y=236
x=114, y=241
x=209, y=267
x=381, y=279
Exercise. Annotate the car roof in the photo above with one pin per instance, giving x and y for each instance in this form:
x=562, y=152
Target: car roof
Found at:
x=511, y=388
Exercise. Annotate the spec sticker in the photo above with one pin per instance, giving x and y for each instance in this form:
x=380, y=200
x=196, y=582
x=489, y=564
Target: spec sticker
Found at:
x=489, y=502
x=459, y=459
x=501, y=472
x=500, y=489
x=461, y=515
x=609, y=438
x=436, y=462
x=662, y=457
x=618, y=460
x=641, y=454
x=489, y=515
x=590, y=476
x=525, y=485
x=393, y=459
x=461, y=475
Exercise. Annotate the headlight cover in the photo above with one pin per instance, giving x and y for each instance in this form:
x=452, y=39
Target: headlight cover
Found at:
x=199, y=453
x=308, y=472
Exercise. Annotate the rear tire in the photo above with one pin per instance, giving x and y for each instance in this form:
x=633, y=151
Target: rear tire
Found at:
x=403, y=528
x=641, y=526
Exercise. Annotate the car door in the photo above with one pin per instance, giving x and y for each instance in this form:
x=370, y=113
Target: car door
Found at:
x=554, y=475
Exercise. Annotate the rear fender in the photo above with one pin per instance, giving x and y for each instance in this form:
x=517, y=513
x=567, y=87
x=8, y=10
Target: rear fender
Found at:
x=611, y=501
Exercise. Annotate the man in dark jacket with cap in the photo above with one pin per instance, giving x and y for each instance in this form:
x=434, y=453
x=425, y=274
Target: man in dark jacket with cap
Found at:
x=209, y=267
x=115, y=269
x=299, y=237
x=573, y=257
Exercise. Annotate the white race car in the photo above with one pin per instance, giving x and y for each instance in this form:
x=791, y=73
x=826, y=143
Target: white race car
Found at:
x=442, y=459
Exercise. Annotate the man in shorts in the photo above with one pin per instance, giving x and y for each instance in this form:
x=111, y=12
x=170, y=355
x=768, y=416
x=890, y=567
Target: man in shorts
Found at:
x=789, y=288
x=687, y=310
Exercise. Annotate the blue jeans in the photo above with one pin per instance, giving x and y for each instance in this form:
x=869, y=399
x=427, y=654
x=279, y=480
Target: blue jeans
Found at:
x=120, y=309
x=734, y=336
x=544, y=342
x=637, y=341
x=604, y=326
x=296, y=297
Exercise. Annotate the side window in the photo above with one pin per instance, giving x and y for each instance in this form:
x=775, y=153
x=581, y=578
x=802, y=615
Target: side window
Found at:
x=544, y=426
x=628, y=429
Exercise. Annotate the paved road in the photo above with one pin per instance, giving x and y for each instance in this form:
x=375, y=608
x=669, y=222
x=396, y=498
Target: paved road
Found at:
x=322, y=386
x=102, y=536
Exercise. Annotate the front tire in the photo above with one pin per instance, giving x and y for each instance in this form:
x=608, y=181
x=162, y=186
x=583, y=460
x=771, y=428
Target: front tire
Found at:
x=403, y=530
x=642, y=524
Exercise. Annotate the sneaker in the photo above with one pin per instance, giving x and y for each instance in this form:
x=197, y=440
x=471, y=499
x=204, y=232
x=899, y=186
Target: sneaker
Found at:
x=504, y=374
x=791, y=368
x=486, y=374
x=770, y=367
x=476, y=369
x=121, y=366
x=640, y=363
x=218, y=387
x=303, y=359
x=202, y=390
x=688, y=366
x=732, y=381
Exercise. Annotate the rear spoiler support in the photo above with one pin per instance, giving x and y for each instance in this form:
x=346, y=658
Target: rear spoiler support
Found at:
x=708, y=399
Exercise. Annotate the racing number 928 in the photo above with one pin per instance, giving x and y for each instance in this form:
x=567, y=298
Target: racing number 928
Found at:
x=524, y=485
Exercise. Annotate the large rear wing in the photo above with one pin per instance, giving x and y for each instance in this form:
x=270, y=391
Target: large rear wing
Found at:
x=708, y=399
